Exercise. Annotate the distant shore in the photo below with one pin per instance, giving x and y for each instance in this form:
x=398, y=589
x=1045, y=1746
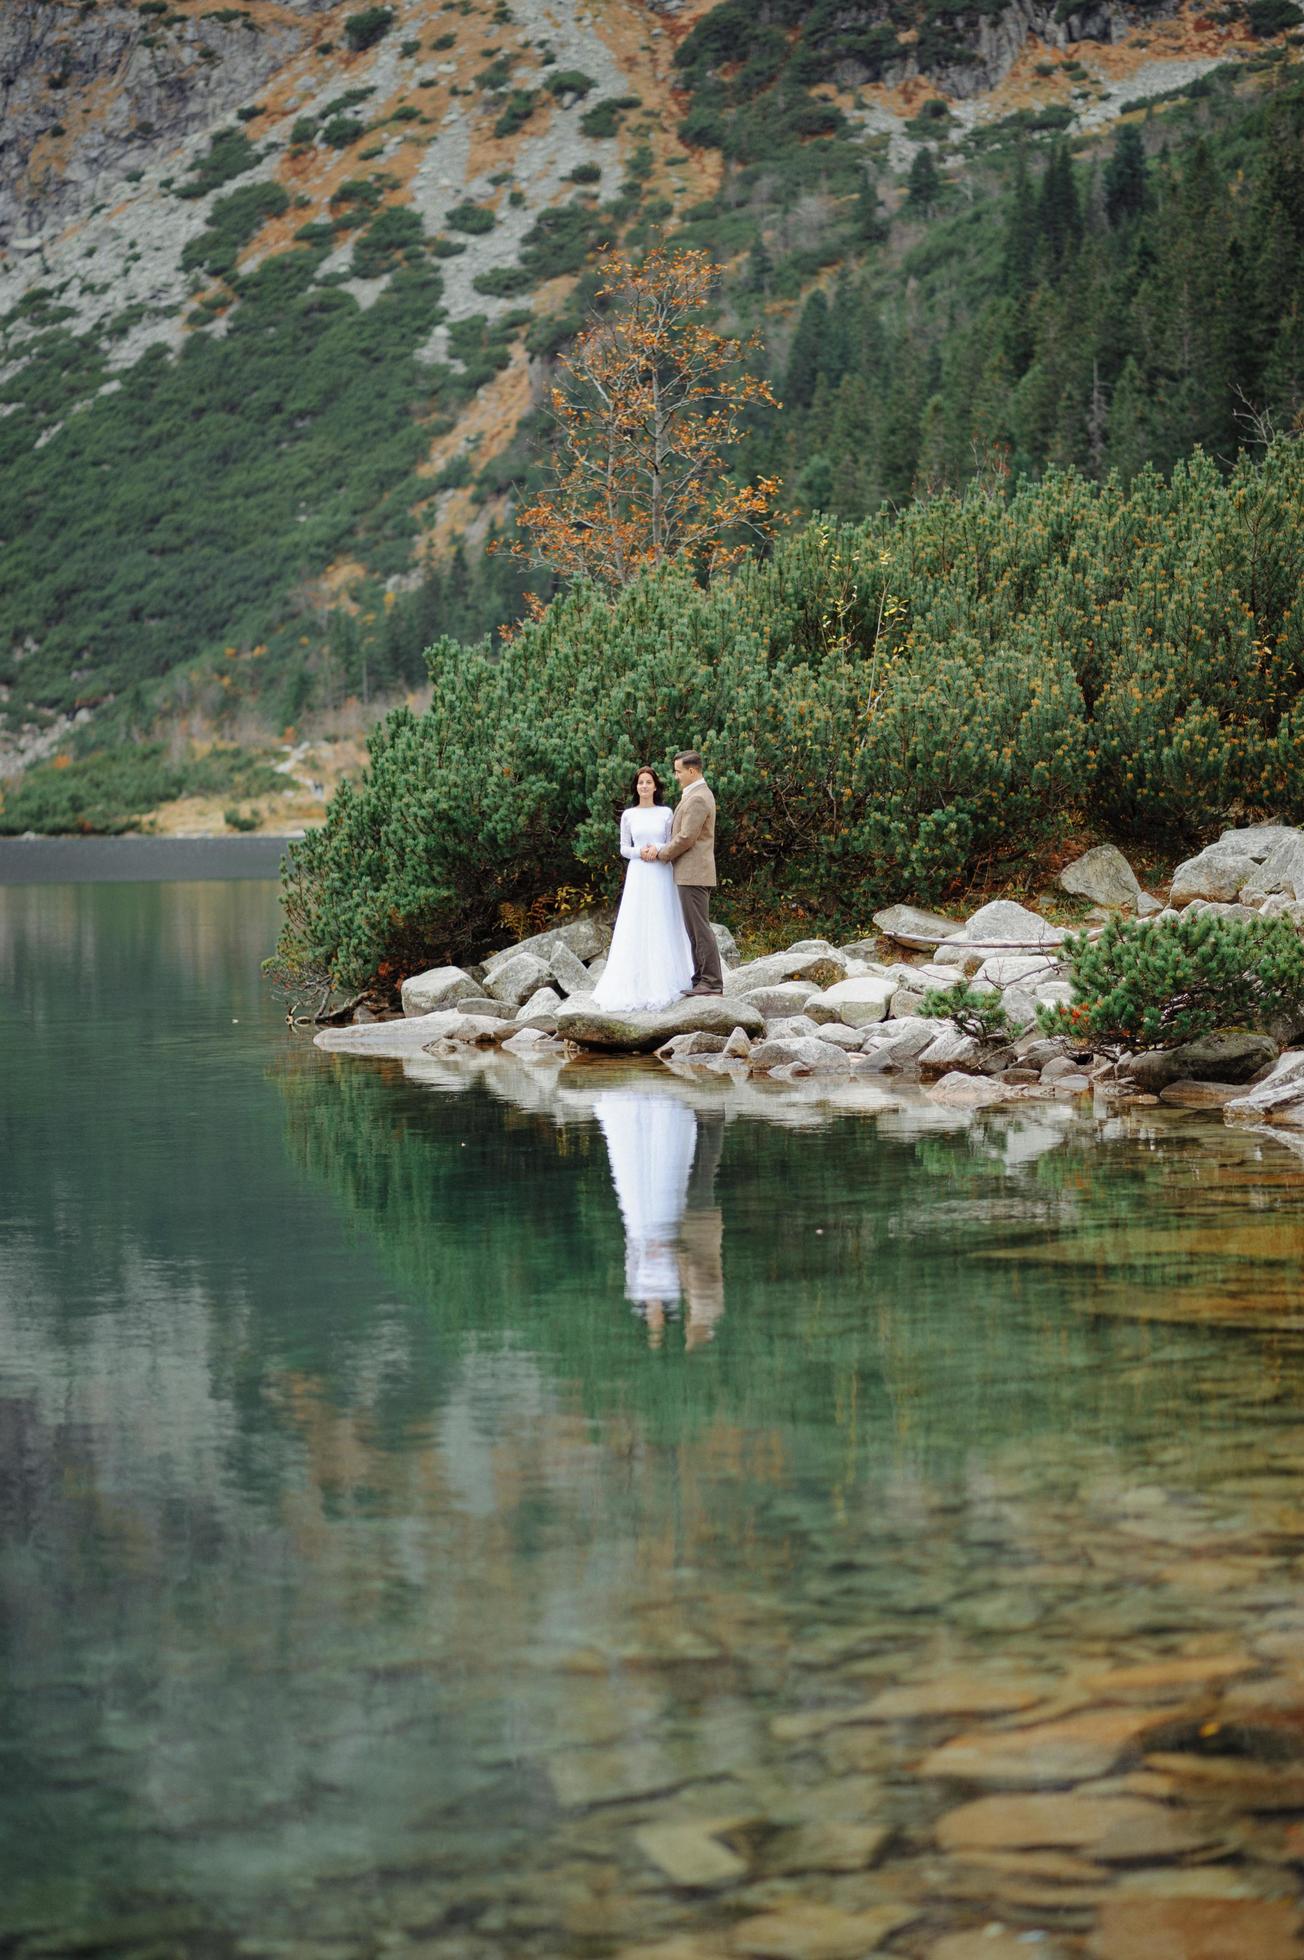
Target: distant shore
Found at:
x=101, y=860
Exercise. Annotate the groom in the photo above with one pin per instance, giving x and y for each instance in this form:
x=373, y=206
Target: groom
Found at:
x=692, y=852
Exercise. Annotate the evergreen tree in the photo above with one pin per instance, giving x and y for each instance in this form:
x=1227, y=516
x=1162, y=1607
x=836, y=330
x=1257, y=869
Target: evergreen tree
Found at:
x=1059, y=213
x=1125, y=176
x=804, y=356
x=924, y=185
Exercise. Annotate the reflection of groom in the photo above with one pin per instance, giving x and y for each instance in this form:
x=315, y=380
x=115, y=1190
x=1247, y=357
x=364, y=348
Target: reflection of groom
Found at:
x=692, y=852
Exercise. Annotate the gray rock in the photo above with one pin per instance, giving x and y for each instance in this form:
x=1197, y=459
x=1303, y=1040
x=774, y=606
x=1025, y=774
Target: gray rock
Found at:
x=738, y=1045
x=1278, y=906
x=1055, y=993
x=775, y=1002
x=1038, y=1049
x=842, y=1036
x=950, y=1049
x=902, y=1040
x=1231, y=1057
x=905, y=1001
x=955, y=960
x=700, y=1042
x=802, y=1052
x=817, y=969
x=497, y=1010
x=1074, y=1084
x=1011, y=969
x=908, y=925
x=1187, y=1093
x=588, y=937
x=439, y=987
x=1255, y=840
x=1104, y=876
x=569, y=973
x=1020, y=1008
x=794, y=1027
x=531, y=1042
x=1005, y=926
x=392, y=1040
x=1212, y=873
x=581, y=1022
x=1235, y=910
x=1282, y=870
x=1147, y=905
x=857, y=1002
x=969, y=1091
x=1279, y=1098
x=540, y=1011
x=514, y=980
x=1058, y=1067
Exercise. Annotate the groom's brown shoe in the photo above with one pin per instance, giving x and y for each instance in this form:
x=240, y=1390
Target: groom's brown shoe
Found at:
x=715, y=993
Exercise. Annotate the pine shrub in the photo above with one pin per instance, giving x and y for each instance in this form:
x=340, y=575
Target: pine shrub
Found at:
x=1158, y=983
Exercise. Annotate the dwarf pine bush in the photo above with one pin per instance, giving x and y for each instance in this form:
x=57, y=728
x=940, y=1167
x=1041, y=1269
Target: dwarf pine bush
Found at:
x=1157, y=983
x=888, y=710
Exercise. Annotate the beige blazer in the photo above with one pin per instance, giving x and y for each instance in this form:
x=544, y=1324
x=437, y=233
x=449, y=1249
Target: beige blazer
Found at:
x=692, y=837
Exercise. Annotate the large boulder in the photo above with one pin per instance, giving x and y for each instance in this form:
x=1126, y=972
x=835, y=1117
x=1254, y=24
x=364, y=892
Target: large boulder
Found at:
x=968, y=1091
x=856, y=1002
x=1015, y=969
x=727, y=944
x=1279, y=1098
x=1282, y=871
x=818, y=967
x=441, y=986
x=950, y=1049
x=497, y=1010
x=1215, y=872
x=1104, y=876
x=580, y=1021
x=909, y=925
x=514, y=980
x=1005, y=926
x=588, y=936
x=1233, y=1057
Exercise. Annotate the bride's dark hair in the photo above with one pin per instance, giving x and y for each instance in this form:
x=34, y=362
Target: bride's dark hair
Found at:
x=646, y=769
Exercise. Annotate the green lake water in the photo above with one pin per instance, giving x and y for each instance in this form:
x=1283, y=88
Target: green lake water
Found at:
x=420, y=1486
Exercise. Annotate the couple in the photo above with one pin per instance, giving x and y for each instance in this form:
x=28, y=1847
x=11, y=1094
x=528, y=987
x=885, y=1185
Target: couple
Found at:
x=663, y=946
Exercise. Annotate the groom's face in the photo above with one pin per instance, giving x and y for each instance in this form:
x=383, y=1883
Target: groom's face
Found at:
x=683, y=775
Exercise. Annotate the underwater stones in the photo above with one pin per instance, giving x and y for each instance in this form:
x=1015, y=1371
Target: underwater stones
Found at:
x=689, y=1854
x=1195, y=1929
x=1099, y=1827
x=805, y=1930
x=1045, y=1753
x=956, y=1694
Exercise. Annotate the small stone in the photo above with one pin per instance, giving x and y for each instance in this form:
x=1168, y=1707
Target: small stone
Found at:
x=833, y=1846
x=953, y=960
x=689, y=1854
x=738, y=1044
x=950, y=1049
x=842, y=1037
x=701, y=1042
x=1195, y=1929
x=995, y=1942
x=904, y=1002
x=1080, y=1746
x=807, y=1931
x=802, y=1052
x=1072, y=1821
x=817, y=969
x=776, y=1002
x=529, y=1041
x=1198, y=1095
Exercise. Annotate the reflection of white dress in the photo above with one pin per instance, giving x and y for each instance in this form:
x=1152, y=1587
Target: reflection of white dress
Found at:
x=651, y=962
x=650, y=1140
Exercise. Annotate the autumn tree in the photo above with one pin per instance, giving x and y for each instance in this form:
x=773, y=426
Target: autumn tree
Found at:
x=651, y=401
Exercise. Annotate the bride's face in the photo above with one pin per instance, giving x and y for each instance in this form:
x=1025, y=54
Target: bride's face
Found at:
x=646, y=786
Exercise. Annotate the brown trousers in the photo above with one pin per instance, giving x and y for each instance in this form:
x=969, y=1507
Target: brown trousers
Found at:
x=696, y=903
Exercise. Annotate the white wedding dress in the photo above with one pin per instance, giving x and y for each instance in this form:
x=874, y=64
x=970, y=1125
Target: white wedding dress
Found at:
x=651, y=962
x=650, y=1140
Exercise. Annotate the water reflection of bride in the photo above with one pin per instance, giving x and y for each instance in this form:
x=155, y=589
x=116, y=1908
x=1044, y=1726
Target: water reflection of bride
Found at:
x=663, y=1164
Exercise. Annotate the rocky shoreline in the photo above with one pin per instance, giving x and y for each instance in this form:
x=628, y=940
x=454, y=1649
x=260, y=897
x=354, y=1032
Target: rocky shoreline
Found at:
x=853, y=1011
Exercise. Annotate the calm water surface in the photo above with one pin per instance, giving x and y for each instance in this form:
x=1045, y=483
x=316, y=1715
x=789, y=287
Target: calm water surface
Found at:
x=483, y=1511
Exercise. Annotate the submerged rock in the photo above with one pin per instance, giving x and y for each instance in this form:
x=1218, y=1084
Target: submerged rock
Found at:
x=580, y=1021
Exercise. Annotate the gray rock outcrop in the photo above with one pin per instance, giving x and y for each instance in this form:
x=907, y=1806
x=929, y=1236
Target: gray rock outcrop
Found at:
x=1004, y=926
x=440, y=986
x=514, y=979
x=909, y=925
x=581, y=1022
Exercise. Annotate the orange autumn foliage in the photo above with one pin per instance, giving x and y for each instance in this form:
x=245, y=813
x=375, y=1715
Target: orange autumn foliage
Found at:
x=651, y=401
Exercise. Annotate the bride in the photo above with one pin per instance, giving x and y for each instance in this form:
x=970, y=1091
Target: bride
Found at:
x=651, y=962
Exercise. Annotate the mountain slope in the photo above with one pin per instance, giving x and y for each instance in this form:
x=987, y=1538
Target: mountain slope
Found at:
x=281, y=284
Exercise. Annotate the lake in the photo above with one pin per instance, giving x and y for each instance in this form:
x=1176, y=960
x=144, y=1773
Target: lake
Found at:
x=480, y=1509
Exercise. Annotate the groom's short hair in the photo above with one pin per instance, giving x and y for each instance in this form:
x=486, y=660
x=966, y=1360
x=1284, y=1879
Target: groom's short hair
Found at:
x=690, y=759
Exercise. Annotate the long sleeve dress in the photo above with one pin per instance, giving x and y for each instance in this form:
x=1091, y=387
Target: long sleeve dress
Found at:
x=651, y=962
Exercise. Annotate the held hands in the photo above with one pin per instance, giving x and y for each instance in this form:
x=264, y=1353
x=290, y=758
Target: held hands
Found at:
x=649, y=854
